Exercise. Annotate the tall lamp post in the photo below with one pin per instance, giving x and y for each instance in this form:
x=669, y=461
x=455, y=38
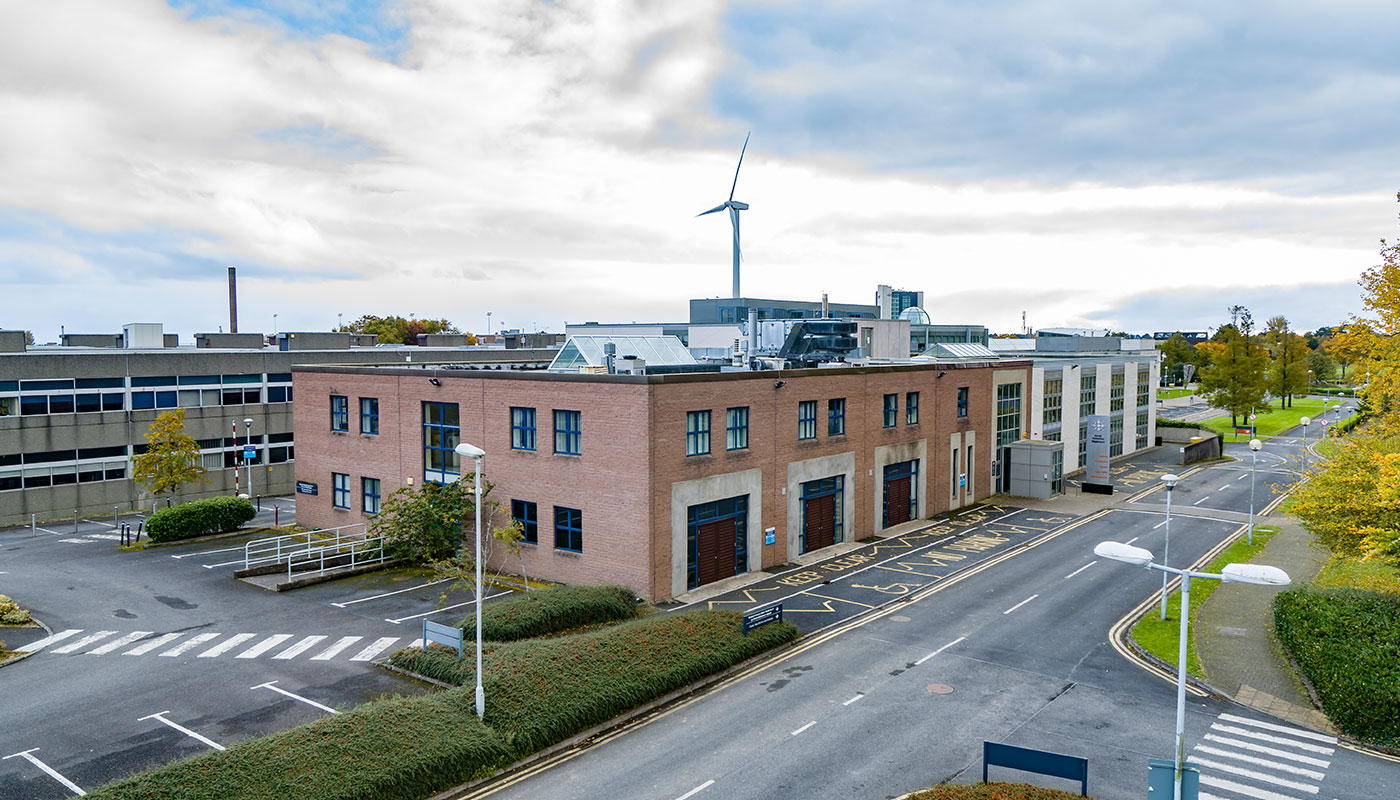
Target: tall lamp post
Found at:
x=248, y=442
x=477, y=454
x=1305, y=421
x=1254, y=445
x=1232, y=573
x=1170, y=481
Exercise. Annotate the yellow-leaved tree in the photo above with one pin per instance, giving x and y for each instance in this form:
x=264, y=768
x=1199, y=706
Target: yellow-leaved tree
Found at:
x=171, y=459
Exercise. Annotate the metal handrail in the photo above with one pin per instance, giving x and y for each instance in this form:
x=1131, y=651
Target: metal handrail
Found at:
x=369, y=550
x=276, y=549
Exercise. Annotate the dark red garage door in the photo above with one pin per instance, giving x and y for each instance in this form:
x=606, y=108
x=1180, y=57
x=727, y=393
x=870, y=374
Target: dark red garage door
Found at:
x=897, y=500
x=716, y=550
x=821, y=522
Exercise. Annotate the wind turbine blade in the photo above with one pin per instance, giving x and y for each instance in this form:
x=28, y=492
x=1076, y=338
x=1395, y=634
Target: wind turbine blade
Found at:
x=719, y=207
x=741, y=163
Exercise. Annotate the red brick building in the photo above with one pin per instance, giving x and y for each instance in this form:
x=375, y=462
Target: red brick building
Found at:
x=664, y=482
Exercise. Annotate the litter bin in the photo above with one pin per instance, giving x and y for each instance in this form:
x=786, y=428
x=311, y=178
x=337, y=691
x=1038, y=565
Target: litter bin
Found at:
x=1161, y=778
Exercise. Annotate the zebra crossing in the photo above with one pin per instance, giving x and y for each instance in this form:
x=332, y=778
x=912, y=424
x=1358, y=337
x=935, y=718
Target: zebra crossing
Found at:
x=281, y=646
x=1244, y=758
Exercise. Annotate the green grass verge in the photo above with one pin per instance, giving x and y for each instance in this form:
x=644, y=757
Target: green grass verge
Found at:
x=1347, y=641
x=558, y=608
x=1271, y=422
x=1349, y=573
x=1172, y=394
x=1163, y=638
x=992, y=791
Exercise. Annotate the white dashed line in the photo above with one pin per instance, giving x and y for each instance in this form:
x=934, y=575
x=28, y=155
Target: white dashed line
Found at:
x=1130, y=541
x=1202, y=500
x=858, y=696
x=804, y=727
x=939, y=650
x=696, y=790
x=1018, y=605
x=1158, y=525
x=1081, y=569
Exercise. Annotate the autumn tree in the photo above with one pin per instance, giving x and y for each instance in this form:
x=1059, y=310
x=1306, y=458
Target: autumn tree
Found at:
x=1177, y=353
x=171, y=459
x=1235, y=379
x=1288, y=372
x=1372, y=342
x=397, y=330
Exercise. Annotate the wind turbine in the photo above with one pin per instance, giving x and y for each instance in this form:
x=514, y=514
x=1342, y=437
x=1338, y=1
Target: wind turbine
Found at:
x=734, y=207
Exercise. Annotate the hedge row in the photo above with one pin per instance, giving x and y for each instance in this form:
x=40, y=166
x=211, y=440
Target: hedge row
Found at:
x=542, y=691
x=551, y=610
x=211, y=515
x=1176, y=423
x=1347, y=642
x=992, y=791
x=1345, y=425
x=1332, y=392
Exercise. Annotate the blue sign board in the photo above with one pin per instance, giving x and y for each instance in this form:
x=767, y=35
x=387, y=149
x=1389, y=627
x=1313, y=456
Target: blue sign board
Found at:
x=763, y=616
x=995, y=754
x=250, y=453
x=449, y=635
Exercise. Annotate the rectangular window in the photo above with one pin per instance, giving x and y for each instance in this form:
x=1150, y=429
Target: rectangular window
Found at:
x=697, y=433
x=1088, y=389
x=369, y=415
x=568, y=433
x=441, y=434
x=1115, y=392
x=340, y=490
x=911, y=408
x=962, y=401
x=63, y=403
x=737, y=428
x=568, y=529
x=807, y=419
x=88, y=402
x=1143, y=395
x=340, y=410
x=836, y=416
x=1008, y=413
x=526, y=514
x=955, y=474
x=522, y=428
x=1054, y=400
x=891, y=409
x=279, y=394
x=369, y=491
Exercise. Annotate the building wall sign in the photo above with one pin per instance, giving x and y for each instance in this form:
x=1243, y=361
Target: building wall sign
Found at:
x=306, y=487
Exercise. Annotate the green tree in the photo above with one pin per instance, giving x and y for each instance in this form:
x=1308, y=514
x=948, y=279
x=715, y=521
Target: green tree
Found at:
x=425, y=524
x=1235, y=379
x=1288, y=372
x=1176, y=353
x=1322, y=365
x=171, y=459
x=397, y=330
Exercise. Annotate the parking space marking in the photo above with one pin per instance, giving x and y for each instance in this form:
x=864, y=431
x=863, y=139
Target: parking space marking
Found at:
x=265, y=645
x=50, y=771
x=34, y=647
x=222, y=563
x=445, y=608
x=208, y=552
x=159, y=641
x=375, y=648
x=117, y=644
x=391, y=594
x=299, y=648
x=227, y=645
x=84, y=642
x=297, y=697
x=189, y=644
x=334, y=650
x=182, y=729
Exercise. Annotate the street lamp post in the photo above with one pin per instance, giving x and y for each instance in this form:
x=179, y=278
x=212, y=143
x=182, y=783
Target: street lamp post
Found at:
x=274, y=326
x=1254, y=445
x=1232, y=573
x=1170, y=481
x=478, y=455
x=1305, y=421
x=248, y=442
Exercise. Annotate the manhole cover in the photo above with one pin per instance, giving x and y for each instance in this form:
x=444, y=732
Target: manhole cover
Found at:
x=899, y=618
x=940, y=688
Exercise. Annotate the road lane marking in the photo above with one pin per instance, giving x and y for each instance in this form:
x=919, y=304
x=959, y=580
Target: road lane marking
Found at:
x=1081, y=569
x=707, y=784
x=1255, y=775
x=445, y=608
x=190, y=644
x=299, y=648
x=334, y=650
x=117, y=644
x=264, y=646
x=1264, y=737
x=1018, y=605
x=391, y=594
x=1226, y=486
x=1259, y=748
x=84, y=642
x=1202, y=500
x=804, y=727
x=858, y=696
x=227, y=645
x=159, y=641
x=1158, y=525
x=34, y=647
x=1240, y=788
x=1134, y=539
x=1261, y=762
x=375, y=648
x=182, y=729
x=297, y=697
x=939, y=650
x=1269, y=726
x=50, y=771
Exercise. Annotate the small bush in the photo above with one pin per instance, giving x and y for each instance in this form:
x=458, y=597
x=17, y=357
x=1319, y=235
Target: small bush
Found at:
x=558, y=608
x=211, y=515
x=992, y=791
x=11, y=613
x=1347, y=642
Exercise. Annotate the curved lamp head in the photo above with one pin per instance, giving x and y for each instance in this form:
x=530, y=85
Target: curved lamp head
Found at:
x=1304, y=421
x=1170, y=479
x=1255, y=573
x=1255, y=444
x=247, y=420
x=1117, y=551
x=469, y=450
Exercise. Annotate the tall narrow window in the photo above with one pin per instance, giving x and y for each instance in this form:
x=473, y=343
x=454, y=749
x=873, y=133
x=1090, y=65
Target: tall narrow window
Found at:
x=526, y=514
x=891, y=409
x=568, y=529
x=340, y=490
x=962, y=401
x=340, y=413
x=441, y=434
x=369, y=415
x=807, y=419
x=522, y=428
x=568, y=433
x=697, y=433
x=911, y=408
x=737, y=428
x=369, y=492
x=836, y=416
x=956, y=481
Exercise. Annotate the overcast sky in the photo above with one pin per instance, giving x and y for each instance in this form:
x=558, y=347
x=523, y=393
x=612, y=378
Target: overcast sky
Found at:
x=1134, y=165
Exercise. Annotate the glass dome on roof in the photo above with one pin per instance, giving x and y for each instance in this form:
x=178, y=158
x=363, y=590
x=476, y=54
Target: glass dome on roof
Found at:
x=916, y=316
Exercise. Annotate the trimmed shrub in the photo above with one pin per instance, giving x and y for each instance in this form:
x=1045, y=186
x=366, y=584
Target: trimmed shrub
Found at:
x=1347, y=642
x=558, y=608
x=992, y=791
x=543, y=691
x=1343, y=426
x=11, y=613
x=1176, y=423
x=211, y=515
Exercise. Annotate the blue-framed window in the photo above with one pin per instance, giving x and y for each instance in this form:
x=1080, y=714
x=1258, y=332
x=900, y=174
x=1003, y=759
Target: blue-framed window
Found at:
x=369, y=495
x=340, y=490
x=836, y=416
x=527, y=514
x=568, y=529
x=807, y=419
x=911, y=408
x=697, y=433
x=891, y=410
x=340, y=413
x=369, y=415
x=441, y=433
x=962, y=401
x=522, y=428
x=737, y=428
x=568, y=433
